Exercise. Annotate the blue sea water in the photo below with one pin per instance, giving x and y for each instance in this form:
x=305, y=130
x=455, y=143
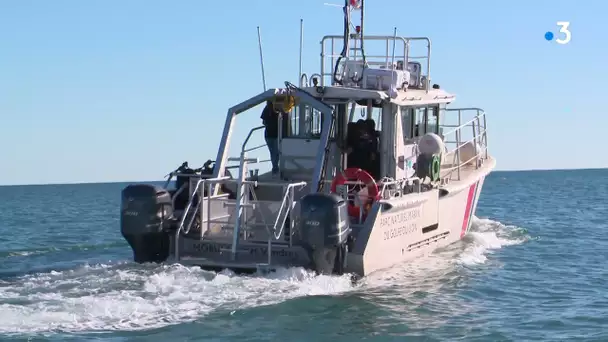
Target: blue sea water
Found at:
x=533, y=269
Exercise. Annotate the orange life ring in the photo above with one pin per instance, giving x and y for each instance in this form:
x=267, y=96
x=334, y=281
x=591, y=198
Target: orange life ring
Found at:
x=356, y=174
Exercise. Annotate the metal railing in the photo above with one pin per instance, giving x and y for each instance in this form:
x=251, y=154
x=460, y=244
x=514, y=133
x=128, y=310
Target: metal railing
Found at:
x=388, y=188
x=479, y=141
x=203, y=209
x=386, y=59
x=245, y=186
x=197, y=191
x=287, y=205
x=245, y=189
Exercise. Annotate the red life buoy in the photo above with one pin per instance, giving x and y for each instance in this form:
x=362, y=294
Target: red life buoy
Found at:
x=360, y=175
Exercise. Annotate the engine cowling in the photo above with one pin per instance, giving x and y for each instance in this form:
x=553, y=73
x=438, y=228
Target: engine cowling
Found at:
x=324, y=228
x=145, y=214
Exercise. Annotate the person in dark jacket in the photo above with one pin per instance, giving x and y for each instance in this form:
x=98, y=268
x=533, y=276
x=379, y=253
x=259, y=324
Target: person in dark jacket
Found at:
x=374, y=148
x=270, y=119
x=365, y=148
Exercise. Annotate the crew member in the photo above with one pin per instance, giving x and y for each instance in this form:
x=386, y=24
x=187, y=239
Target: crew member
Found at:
x=270, y=119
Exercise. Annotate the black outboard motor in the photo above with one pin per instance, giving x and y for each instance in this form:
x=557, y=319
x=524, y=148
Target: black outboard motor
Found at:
x=145, y=214
x=324, y=228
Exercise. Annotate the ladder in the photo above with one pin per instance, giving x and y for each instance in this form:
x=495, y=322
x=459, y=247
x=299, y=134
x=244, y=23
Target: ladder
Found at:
x=242, y=195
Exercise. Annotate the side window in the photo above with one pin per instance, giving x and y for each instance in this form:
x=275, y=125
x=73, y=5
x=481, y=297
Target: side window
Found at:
x=407, y=122
x=360, y=113
x=305, y=122
x=416, y=121
x=294, y=127
x=420, y=120
x=432, y=120
x=313, y=122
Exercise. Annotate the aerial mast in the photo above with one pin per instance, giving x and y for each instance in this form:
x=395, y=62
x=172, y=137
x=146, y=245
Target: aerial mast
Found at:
x=357, y=37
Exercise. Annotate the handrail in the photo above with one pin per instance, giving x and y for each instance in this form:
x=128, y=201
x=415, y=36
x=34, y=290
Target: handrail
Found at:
x=243, y=149
x=450, y=169
x=479, y=140
x=287, y=195
x=243, y=189
x=194, y=193
x=414, y=180
x=405, y=55
x=249, y=137
x=187, y=210
x=458, y=128
x=256, y=148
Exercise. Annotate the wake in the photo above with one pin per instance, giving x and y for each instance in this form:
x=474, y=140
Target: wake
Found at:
x=127, y=296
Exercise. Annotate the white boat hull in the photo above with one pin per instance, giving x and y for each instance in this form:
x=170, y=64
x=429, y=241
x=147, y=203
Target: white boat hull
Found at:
x=418, y=224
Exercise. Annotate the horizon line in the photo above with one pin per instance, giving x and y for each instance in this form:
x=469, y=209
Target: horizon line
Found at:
x=161, y=180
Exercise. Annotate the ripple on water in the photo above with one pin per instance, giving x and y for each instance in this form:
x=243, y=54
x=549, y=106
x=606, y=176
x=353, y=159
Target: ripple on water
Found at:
x=125, y=296
x=502, y=282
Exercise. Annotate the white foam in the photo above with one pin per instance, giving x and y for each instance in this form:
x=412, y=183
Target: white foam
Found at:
x=131, y=298
x=484, y=238
x=433, y=281
x=134, y=297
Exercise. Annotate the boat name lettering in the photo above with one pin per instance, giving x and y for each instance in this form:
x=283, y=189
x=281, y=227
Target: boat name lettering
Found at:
x=409, y=204
x=214, y=248
x=392, y=233
x=401, y=217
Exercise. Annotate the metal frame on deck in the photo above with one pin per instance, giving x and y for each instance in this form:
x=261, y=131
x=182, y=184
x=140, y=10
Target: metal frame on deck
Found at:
x=222, y=158
x=305, y=98
x=387, y=58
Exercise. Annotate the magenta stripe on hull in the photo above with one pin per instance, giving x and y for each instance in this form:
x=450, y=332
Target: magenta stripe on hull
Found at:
x=469, y=208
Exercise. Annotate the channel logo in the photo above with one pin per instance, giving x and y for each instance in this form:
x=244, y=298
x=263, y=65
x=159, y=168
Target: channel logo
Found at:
x=564, y=33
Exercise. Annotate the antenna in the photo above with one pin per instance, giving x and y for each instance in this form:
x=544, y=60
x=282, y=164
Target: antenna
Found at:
x=349, y=6
x=393, y=92
x=261, y=59
x=394, y=39
x=301, y=47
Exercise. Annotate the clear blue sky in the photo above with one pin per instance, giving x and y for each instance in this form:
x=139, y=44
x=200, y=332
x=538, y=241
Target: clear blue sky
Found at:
x=127, y=90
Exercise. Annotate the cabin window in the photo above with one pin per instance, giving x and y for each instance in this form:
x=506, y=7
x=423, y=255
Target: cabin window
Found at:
x=305, y=122
x=416, y=121
x=420, y=121
x=360, y=113
x=407, y=122
x=431, y=120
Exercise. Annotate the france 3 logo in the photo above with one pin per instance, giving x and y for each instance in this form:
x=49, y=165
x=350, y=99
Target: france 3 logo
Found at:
x=564, y=33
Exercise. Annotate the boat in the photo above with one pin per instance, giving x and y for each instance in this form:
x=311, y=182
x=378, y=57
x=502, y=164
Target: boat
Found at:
x=335, y=207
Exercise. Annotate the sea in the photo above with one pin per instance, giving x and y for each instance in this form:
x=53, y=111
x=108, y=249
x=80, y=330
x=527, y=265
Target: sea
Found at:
x=533, y=268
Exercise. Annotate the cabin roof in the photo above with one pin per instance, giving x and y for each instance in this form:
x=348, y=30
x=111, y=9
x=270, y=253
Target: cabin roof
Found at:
x=411, y=97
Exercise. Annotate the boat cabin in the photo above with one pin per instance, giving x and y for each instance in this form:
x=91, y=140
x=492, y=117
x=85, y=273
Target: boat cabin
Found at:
x=379, y=137
x=374, y=111
x=339, y=120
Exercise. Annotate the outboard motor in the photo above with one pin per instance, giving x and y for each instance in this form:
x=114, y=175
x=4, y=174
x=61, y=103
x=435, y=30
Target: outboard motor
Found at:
x=324, y=228
x=145, y=214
